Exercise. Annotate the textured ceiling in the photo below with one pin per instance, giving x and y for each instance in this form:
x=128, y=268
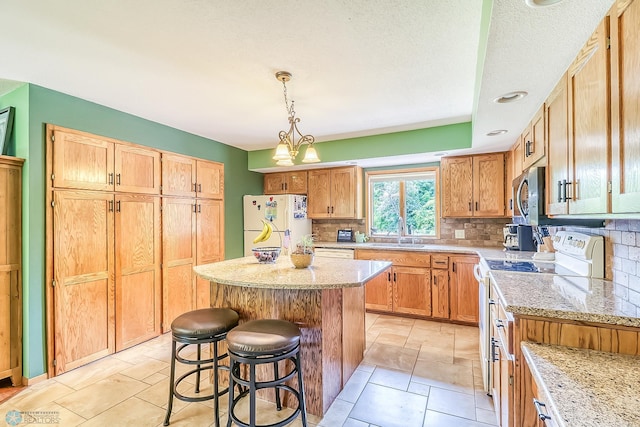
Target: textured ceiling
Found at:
x=360, y=67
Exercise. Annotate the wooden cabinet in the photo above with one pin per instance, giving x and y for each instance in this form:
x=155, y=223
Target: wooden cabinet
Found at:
x=625, y=114
x=518, y=156
x=440, y=286
x=89, y=162
x=189, y=177
x=286, y=183
x=530, y=407
x=464, y=288
x=335, y=193
x=83, y=278
x=138, y=290
x=558, y=150
x=502, y=358
x=533, y=140
x=11, y=269
x=474, y=186
x=589, y=136
x=411, y=290
x=209, y=243
x=379, y=293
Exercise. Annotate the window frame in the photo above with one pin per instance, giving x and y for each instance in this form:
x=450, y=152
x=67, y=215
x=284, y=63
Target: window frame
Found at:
x=435, y=170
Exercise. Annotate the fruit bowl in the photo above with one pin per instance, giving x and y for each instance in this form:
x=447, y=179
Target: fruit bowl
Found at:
x=266, y=255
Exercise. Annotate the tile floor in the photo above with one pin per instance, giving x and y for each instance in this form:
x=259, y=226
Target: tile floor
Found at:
x=415, y=373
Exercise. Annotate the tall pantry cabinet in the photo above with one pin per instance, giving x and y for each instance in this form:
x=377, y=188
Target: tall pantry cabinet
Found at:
x=11, y=269
x=105, y=245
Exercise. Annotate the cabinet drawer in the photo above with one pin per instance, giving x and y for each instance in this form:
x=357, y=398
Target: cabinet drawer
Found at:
x=440, y=261
x=406, y=259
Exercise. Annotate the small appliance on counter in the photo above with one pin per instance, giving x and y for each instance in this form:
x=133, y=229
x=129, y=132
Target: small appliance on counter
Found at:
x=345, y=235
x=518, y=237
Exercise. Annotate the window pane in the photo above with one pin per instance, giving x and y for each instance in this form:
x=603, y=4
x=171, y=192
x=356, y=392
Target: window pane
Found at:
x=386, y=207
x=420, y=206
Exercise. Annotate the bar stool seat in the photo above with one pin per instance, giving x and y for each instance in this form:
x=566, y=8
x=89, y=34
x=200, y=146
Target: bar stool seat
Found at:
x=259, y=342
x=197, y=327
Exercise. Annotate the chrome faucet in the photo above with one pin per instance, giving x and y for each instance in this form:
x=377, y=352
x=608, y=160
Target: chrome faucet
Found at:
x=400, y=229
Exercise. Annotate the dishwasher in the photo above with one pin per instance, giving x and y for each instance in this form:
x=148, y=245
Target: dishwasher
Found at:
x=344, y=253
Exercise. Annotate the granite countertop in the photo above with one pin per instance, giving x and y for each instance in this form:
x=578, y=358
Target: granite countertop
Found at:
x=564, y=297
x=325, y=273
x=489, y=253
x=585, y=387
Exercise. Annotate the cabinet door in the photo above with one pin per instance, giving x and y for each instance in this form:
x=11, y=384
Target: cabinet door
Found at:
x=178, y=175
x=83, y=275
x=412, y=290
x=534, y=147
x=210, y=179
x=209, y=243
x=508, y=190
x=588, y=97
x=464, y=289
x=137, y=269
x=10, y=271
x=343, y=191
x=625, y=114
x=274, y=183
x=319, y=200
x=488, y=185
x=81, y=161
x=378, y=292
x=178, y=258
x=137, y=170
x=457, y=186
x=558, y=148
x=518, y=157
x=440, y=293
x=296, y=182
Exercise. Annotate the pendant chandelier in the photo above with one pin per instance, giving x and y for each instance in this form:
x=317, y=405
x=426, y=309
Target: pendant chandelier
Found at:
x=291, y=140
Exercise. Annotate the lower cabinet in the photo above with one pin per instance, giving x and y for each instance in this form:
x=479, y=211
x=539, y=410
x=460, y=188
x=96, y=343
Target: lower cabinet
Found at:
x=439, y=285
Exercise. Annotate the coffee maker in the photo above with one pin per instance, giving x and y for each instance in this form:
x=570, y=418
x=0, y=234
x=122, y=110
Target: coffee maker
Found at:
x=518, y=237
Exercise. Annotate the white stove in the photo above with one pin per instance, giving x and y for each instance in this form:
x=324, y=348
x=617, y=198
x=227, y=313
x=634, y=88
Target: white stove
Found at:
x=578, y=257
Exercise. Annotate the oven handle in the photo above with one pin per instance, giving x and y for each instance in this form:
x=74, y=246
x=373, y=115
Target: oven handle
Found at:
x=477, y=273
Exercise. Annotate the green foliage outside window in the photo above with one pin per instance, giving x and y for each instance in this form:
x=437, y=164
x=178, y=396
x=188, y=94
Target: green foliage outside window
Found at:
x=413, y=198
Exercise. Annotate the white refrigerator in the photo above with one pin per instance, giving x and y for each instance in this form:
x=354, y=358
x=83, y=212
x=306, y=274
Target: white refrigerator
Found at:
x=287, y=212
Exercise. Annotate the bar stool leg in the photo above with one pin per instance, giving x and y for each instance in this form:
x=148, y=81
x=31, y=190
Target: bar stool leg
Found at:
x=252, y=394
x=197, y=390
x=172, y=377
x=303, y=406
x=215, y=384
x=232, y=368
x=277, y=390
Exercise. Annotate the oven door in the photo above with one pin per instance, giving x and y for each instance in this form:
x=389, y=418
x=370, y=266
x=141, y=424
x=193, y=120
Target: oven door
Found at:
x=520, y=194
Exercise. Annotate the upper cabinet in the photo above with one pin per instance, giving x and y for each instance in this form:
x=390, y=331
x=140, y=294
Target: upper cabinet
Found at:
x=533, y=141
x=335, y=193
x=473, y=186
x=558, y=150
x=625, y=114
x=286, y=183
x=189, y=177
x=88, y=162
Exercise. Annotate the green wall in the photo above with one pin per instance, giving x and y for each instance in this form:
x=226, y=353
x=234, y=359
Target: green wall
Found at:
x=429, y=140
x=35, y=107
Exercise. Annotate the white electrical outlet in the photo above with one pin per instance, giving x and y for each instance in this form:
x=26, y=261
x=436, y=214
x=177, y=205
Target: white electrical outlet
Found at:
x=459, y=234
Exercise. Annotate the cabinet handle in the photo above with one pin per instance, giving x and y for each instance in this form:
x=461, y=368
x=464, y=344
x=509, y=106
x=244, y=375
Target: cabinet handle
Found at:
x=492, y=302
x=110, y=179
x=199, y=188
x=453, y=267
x=539, y=405
x=331, y=209
x=394, y=277
x=565, y=184
x=195, y=187
x=110, y=205
x=389, y=276
x=470, y=207
x=527, y=149
x=282, y=186
x=328, y=209
x=435, y=280
x=286, y=186
x=560, y=191
x=494, y=344
x=510, y=204
x=476, y=206
x=499, y=323
x=118, y=179
x=118, y=206
x=195, y=208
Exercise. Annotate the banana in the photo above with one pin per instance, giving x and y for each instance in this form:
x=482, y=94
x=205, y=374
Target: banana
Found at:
x=267, y=229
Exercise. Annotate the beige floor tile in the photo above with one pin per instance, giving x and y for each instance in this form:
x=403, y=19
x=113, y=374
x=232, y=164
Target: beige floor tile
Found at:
x=144, y=368
x=92, y=373
x=401, y=330
x=158, y=394
x=452, y=403
x=66, y=417
x=337, y=414
x=438, y=419
x=389, y=407
x=266, y=412
x=154, y=378
x=483, y=401
x=98, y=397
x=433, y=353
x=418, y=388
x=426, y=325
x=131, y=412
x=391, y=339
x=485, y=416
x=36, y=396
x=444, y=375
x=391, y=378
x=402, y=359
x=350, y=422
x=355, y=385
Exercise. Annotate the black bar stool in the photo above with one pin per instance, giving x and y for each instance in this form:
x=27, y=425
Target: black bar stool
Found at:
x=258, y=342
x=206, y=326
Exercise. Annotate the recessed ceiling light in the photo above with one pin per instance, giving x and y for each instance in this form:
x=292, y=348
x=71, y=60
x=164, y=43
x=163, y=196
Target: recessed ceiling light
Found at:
x=497, y=132
x=541, y=3
x=511, y=97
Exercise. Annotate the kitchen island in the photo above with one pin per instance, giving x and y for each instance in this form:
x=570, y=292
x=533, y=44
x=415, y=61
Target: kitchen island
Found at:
x=325, y=300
